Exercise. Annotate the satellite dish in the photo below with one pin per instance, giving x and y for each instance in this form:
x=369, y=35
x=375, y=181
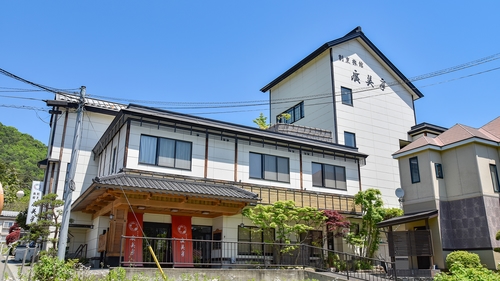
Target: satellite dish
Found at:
x=400, y=193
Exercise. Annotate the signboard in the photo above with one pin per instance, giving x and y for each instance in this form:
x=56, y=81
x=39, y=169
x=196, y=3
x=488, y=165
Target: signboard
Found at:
x=183, y=245
x=133, y=246
x=36, y=194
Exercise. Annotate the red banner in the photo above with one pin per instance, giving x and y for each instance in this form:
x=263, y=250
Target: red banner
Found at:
x=133, y=246
x=183, y=245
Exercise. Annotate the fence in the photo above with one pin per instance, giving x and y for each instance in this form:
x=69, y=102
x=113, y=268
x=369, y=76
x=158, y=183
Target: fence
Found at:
x=176, y=253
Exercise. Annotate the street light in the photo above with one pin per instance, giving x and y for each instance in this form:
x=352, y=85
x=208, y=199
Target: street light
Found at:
x=20, y=194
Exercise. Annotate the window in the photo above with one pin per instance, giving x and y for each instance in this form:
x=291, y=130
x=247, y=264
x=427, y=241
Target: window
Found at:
x=113, y=162
x=439, y=170
x=313, y=238
x=8, y=224
x=251, y=241
x=415, y=175
x=350, y=139
x=329, y=176
x=296, y=113
x=269, y=167
x=346, y=95
x=165, y=152
x=494, y=177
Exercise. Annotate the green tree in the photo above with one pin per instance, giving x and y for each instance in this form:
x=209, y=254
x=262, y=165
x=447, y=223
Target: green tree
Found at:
x=261, y=121
x=288, y=221
x=373, y=212
x=47, y=225
x=19, y=154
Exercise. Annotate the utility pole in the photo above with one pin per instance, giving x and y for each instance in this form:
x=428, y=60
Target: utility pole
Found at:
x=69, y=184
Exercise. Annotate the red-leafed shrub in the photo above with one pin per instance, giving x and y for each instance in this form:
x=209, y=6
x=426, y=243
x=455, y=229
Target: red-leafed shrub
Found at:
x=336, y=223
x=14, y=227
x=13, y=236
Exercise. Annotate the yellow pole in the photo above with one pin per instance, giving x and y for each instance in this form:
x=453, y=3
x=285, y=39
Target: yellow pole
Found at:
x=157, y=263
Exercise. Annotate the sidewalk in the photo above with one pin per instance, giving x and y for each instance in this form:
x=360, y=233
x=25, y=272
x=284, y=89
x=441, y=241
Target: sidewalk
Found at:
x=12, y=269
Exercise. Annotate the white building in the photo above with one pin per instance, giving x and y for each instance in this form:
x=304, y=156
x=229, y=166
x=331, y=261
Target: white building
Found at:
x=348, y=86
x=167, y=166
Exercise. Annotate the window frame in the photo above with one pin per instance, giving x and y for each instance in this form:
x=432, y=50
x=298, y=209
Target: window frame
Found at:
x=346, y=93
x=414, y=168
x=353, y=138
x=291, y=111
x=7, y=224
x=323, y=178
x=157, y=151
x=263, y=167
x=439, y=170
x=494, y=178
x=254, y=232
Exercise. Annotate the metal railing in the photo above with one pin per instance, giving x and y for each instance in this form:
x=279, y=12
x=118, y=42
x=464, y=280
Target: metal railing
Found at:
x=174, y=253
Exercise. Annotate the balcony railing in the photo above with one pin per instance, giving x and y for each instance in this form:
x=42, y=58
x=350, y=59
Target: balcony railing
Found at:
x=195, y=253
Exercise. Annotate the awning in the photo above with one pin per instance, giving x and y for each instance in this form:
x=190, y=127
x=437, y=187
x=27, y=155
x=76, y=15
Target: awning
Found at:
x=408, y=218
x=155, y=194
x=42, y=164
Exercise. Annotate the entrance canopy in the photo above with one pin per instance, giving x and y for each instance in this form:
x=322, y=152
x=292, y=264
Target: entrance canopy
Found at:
x=408, y=218
x=152, y=193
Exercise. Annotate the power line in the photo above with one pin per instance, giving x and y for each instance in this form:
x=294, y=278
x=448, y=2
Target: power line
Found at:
x=40, y=86
x=358, y=90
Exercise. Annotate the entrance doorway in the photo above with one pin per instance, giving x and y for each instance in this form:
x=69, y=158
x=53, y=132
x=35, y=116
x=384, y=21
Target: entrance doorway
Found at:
x=161, y=247
x=202, y=246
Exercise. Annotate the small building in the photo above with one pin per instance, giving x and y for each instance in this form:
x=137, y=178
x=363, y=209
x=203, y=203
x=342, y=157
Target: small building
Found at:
x=450, y=179
x=7, y=219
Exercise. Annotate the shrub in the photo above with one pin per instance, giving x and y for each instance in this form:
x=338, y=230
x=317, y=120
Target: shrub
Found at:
x=465, y=258
x=459, y=272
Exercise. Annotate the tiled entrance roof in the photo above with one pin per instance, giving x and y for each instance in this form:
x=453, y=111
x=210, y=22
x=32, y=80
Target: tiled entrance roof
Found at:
x=156, y=184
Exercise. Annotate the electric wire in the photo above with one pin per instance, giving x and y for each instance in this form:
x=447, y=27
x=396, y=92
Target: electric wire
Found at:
x=390, y=83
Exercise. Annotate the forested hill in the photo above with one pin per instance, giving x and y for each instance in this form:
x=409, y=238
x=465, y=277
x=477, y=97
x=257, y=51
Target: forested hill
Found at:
x=19, y=154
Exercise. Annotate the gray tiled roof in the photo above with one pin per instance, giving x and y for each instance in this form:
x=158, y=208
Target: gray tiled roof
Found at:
x=142, y=182
x=9, y=214
x=93, y=102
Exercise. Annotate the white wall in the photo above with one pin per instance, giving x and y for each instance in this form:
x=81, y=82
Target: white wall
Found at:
x=221, y=157
x=378, y=118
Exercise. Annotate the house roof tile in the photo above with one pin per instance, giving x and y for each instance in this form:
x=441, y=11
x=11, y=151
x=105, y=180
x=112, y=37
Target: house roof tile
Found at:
x=142, y=182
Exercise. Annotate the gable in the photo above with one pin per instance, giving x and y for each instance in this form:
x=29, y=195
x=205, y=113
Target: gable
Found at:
x=354, y=35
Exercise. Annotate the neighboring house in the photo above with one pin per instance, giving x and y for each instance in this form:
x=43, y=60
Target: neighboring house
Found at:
x=178, y=170
x=349, y=87
x=450, y=179
x=7, y=219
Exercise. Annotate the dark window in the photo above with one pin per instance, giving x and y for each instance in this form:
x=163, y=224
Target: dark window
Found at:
x=251, y=241
x=494, y=178
x=346, y=95
x=329, y=176
x=350, y=139
x=439, y=170
x=415, y=175
x=296, y=113
x=113, y=161
x=269, y=167
x=165, y=152
x=313, y=238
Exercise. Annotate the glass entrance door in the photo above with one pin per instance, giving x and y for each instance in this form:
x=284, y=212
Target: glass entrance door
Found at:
x=202, y=250
x=161, y=247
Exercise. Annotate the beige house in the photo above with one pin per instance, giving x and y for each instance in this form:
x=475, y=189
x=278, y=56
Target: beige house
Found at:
x=451, y=185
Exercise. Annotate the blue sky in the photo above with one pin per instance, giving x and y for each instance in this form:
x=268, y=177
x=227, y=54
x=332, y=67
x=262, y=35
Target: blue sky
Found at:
x=226, y=51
